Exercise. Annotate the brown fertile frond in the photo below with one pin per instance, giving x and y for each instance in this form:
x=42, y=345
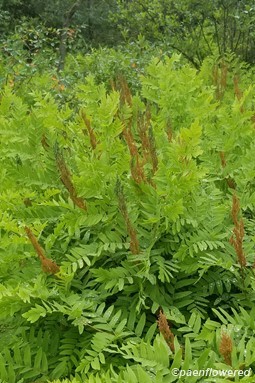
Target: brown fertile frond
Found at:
x=237, y=238
x=121, y=198
x=220, y=79
x=143, y=127
x=92, y=137
x=113, y=85
x=223, y=159
x=27, y=202
x=125, y=93
x=65, y=177
x=134, y=243
x=226, y=347
x=39, y=250
x=238, y=243
x=153, y=152
x=231, y=183
x=148, y=115
x=237, y=90
x=165, y=330
x=44, y=142
x=169, y=131
x=224, y=73
x=148, y=148
x=235, y=209
x=129, y=138
x=215, y=73
x=135, y=165
x=137, y=171
x=48, y=266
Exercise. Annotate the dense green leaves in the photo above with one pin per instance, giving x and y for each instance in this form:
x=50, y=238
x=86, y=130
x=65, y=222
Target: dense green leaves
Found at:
x=156, y=171
x=193, y=28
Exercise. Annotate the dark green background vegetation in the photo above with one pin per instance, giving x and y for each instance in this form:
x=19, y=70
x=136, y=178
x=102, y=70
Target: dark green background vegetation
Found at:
x=191, y=27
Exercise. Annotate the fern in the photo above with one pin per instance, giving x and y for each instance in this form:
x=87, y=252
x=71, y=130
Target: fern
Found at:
x=156, y=242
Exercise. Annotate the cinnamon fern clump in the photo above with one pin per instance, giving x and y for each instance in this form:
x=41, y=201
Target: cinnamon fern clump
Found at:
x=146, y=279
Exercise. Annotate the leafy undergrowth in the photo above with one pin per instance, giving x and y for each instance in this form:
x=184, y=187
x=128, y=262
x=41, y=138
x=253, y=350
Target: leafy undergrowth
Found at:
x=127, y=227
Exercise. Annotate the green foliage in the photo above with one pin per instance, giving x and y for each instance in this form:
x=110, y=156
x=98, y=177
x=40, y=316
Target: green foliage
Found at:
x=193, y=28
x=132, y=196
x=90, y=21
x=109, y=64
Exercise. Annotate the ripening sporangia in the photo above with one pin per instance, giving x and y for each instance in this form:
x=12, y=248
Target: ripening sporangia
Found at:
x=230, y=181
x=44, y=142
x=147, y=148
x=220, y=72
x=136, y=165
x=92, y=137
x=238, y=232
x=226, y=347
x=134, y=243
x=169, y=130
x=165, y=330
x=238, y=92
x=48, y=266
x=223, y=159
x=125, y=93
x=143, y=123
x=153, y=153
x=65, y=176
